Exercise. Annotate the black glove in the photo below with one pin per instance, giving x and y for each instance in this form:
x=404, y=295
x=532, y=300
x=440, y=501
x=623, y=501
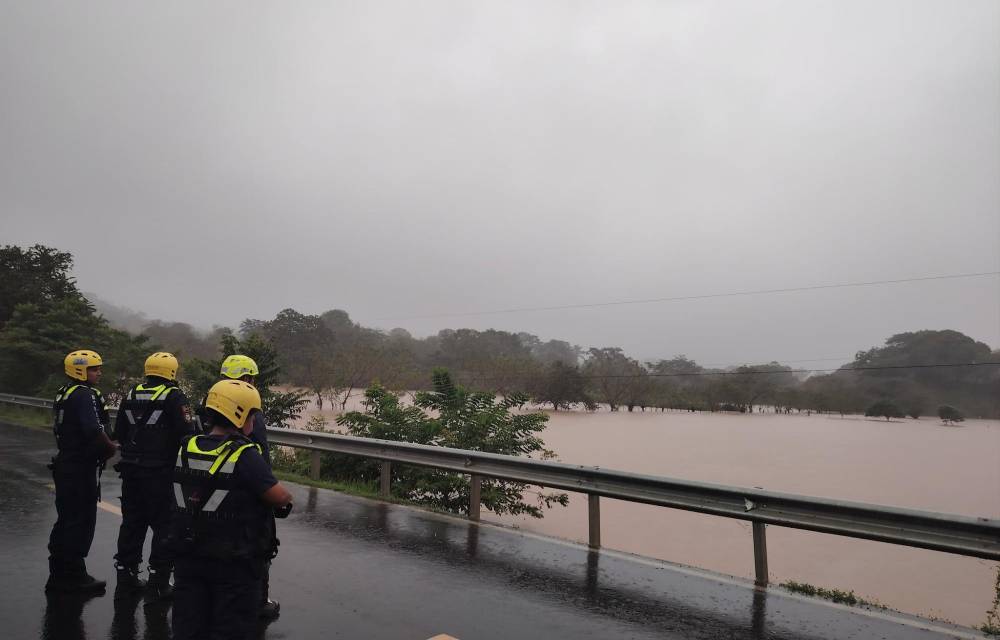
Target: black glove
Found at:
x=282, y=512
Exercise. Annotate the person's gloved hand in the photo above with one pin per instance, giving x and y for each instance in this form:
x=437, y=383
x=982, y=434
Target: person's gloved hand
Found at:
x=282, y=512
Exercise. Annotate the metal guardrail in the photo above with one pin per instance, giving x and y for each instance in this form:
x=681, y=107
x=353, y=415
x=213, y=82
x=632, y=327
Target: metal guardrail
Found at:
x=976, y=537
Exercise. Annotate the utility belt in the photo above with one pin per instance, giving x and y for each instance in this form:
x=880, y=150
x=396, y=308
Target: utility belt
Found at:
x=140, y=463
x=63, y=465
x=190, y=543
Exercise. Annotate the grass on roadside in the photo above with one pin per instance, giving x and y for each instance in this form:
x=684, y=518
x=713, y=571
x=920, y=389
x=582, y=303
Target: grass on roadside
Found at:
x=26, y=416
x=992, y=624
x=363, y=490
x=358, y=489
x=834, y=595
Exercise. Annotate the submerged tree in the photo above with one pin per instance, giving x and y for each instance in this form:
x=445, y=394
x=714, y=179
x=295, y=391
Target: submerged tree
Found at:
x=560, y=385
x=949, y=414
x=884, y=409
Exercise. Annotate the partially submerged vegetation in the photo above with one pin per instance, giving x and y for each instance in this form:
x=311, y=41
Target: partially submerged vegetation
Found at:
x=447, y=416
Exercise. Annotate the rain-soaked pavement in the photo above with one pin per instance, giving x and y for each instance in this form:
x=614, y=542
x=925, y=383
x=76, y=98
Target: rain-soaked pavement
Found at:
x=355, y=568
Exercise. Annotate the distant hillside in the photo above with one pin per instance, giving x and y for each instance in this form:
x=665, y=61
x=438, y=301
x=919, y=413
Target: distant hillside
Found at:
x=119, y=317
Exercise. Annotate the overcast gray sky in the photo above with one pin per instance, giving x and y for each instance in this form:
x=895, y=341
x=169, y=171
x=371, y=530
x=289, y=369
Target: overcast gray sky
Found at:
x=208, y=162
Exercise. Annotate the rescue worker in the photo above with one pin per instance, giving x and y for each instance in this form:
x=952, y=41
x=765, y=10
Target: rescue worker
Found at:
x=80, y=417
x=225, y=496
x=241, y=367
x=152, y=420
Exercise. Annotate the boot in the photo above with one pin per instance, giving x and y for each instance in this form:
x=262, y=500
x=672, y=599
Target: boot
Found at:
x=72, y=577
x=158, y=586
x=269, y=610
x=128, y=579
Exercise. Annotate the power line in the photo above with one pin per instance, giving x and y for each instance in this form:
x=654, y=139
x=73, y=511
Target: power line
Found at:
x=759, y=360
x=746, y=372
x=729, y=294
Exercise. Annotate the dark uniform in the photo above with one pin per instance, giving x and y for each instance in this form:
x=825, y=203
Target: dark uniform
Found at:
x=80, y=417
x=221, y=533
x=259, y=437
x=152, y=420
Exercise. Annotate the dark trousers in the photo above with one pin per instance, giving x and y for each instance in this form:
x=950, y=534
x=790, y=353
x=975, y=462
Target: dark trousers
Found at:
x=147, y=496
x=76, y=516
x=265, y=579
x=215, y=600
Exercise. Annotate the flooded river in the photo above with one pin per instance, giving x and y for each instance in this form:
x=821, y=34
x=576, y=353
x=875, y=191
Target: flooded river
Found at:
x=919, y=464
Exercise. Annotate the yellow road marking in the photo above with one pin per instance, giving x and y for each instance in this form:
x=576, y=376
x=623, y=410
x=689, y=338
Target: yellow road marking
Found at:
x=107, y=506
x=110, y=508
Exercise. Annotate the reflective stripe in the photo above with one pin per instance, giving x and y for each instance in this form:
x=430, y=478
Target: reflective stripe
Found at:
x=193, y=447
x=218, y=463
x=179, y=495
x=162, y=391
x=142, y=392
x=217, y=497
x=199, y=465
x=131, y=418
x=154, y=417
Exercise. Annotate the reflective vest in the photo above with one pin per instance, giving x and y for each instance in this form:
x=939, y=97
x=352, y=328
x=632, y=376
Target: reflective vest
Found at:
x=214, y=517
x=65, y=427
x=150, y=442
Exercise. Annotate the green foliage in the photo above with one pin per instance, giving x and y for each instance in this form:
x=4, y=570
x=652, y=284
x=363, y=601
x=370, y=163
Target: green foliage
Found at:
x=884, y=409
x=950, y=414
x=37, y=275
x=460, y=419
x=45, y=317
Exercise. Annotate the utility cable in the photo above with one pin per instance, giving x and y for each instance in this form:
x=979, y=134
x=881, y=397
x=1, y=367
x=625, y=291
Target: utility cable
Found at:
x=729, y=294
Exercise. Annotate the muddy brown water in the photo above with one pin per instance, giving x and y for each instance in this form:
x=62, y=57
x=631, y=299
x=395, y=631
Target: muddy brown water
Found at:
x=918, y=464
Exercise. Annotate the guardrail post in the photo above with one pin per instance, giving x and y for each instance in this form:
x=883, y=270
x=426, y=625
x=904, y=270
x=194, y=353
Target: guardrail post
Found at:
x=475, y=496
x=594, y=513
x=314, y=465
x=760, y=554
x=385, y=479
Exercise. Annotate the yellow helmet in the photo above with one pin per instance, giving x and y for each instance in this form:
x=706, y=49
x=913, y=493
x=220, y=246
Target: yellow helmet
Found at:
x=76, y=363
x=237, y=366
x=234, y=399
x=161, y=364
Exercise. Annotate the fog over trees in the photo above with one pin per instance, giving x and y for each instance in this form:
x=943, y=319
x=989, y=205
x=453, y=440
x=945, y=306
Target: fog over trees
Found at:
x=330, y=357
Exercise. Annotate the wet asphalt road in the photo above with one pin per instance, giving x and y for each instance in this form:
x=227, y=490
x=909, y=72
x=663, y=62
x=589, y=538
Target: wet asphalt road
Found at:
x=355, y=568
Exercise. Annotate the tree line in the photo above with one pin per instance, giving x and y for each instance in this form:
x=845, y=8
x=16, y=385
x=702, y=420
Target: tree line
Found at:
x=43, y=314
